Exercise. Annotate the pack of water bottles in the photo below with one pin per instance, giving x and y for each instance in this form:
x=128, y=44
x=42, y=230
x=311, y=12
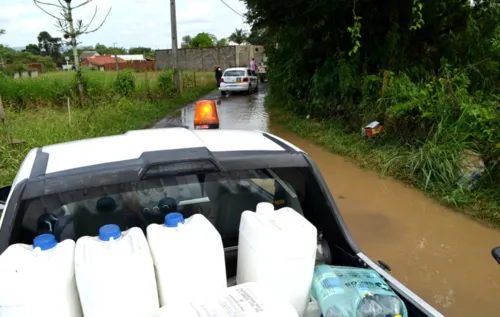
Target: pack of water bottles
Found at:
x=354, y=292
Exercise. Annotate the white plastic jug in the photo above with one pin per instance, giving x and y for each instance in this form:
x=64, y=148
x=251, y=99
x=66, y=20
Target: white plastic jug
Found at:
x=39, y=279
x=278, y=249
x=115, y=274
x=246, y=300
x=189, y=258
x=312, y=309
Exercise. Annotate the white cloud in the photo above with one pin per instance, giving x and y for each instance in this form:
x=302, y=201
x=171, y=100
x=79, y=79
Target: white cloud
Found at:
x=130, y=23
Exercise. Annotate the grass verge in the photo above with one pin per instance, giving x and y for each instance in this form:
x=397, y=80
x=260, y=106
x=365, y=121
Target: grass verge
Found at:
x=411, y=166
x=52, y=89
x=40, y=126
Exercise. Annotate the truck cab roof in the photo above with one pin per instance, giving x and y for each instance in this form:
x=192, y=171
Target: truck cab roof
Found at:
x=131, y=145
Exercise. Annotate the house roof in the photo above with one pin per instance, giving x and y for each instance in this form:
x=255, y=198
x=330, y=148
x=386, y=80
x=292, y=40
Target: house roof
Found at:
x=102, y=60
x=136, y=57
x=86, y=54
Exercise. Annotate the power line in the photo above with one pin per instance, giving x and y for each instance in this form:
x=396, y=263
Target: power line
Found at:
x=227, y=5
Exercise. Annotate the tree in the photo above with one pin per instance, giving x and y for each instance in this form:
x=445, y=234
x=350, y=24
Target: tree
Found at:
x=238, y=36
x=2, y=31
x=101, y=48
x=202, y=40
x=186, y=41
x=50, y=46
x=105, y=50
x=72, y=29
x=33, y=49
x=213, y=37
x=256, y=36
x=222, y=42
x=140, y=50
x=11, y=56
x=116, y=51
x=338, y=44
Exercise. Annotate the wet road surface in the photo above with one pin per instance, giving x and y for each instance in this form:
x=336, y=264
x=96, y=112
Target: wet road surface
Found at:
x=235, y=112
x=441, y=255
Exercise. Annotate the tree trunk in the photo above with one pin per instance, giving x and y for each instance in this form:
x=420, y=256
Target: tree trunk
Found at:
x=116, y=62
x=147, y=81
x=76, y=58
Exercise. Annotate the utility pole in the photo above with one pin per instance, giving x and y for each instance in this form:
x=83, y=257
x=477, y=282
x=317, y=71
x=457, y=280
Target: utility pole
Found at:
x=173, y=23
x=116, y=58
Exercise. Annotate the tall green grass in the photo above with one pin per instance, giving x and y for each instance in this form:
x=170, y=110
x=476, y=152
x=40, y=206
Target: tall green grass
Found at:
x=37, y=113
x=434, y=165
x=53, y=89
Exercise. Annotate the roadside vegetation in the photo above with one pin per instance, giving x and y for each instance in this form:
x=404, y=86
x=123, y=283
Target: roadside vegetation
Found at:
x=37, y=108
x=65, y=106
x=428, y=71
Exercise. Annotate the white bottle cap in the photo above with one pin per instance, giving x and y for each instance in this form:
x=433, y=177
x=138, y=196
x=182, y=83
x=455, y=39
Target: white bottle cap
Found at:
x=265, y=208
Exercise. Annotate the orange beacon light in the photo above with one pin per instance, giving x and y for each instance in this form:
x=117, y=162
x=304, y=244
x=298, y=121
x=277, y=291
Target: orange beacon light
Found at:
x=205, y=115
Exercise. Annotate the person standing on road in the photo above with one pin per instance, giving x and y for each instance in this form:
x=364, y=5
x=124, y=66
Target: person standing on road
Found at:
x=252, y=66
x=218, y=74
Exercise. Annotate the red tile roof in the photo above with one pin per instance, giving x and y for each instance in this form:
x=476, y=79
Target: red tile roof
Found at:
x=102, y=60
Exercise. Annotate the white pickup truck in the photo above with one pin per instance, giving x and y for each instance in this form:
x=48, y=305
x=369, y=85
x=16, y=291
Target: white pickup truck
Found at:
x=149, y=173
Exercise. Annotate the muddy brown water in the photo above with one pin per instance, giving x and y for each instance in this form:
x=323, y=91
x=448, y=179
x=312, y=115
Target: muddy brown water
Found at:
x=441, y=255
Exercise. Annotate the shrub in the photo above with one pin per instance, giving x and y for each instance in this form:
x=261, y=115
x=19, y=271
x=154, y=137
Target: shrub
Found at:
x=166, y=83
x=188, y=80
x=125, y=83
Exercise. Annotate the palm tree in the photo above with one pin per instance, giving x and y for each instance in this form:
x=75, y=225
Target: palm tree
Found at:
x=238, y=37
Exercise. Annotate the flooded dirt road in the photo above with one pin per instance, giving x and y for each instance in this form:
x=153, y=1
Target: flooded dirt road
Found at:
x=441, y=255
x=235, y=112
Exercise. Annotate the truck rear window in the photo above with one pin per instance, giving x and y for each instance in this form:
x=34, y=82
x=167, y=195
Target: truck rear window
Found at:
x=219, y=197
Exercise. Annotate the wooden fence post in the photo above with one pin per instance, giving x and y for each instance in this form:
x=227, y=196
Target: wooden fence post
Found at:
x=147, y=84
x=116, y=61
x=146, y=75
x=69, y=104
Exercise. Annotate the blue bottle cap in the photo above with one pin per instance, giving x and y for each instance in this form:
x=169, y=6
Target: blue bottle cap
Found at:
x=45, y=241
x=109, y=231
x=173, y=219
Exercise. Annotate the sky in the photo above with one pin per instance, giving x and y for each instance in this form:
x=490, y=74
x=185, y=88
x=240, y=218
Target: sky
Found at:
x=131, y=23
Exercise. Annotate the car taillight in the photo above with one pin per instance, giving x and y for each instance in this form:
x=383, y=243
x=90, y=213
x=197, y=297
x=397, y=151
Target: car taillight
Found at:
x=245, y=79
x=222, y=80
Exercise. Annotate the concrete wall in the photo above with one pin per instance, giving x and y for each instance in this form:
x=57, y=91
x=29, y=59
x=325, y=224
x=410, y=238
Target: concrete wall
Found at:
x=30, y=73
x=244, y=53
x=205, y=59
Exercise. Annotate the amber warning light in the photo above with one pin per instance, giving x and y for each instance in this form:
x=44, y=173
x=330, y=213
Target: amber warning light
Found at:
x=205, y=115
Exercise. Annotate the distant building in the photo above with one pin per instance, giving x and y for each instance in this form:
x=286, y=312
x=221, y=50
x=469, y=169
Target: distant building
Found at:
x=87, y=54
x=132, y=58
x=99, y=61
